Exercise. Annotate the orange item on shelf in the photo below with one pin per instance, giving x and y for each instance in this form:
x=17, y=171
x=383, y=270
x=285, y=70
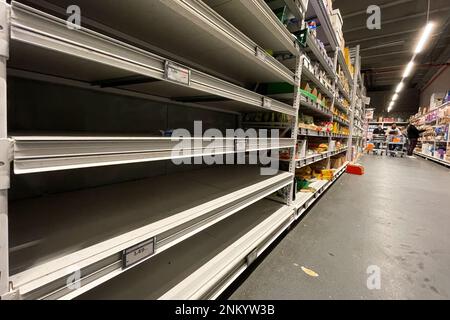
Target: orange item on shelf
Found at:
x=355, y=169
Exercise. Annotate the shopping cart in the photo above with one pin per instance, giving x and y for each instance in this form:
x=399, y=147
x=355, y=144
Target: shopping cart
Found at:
x=396, y=146
x=377, y=145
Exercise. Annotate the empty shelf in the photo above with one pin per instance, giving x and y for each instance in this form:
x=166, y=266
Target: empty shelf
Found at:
x=90, y=57
x=90, y=229
x=51, y=153
x=255, y=19
x=320, y=11
x=204, y=265
x=312, y=45
x=197, y=33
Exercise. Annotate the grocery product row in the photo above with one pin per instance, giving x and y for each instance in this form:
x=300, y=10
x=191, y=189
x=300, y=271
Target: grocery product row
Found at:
x=434, y=125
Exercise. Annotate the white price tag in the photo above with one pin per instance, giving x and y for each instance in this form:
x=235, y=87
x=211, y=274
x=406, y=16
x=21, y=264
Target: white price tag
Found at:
x=260, y=53
x=177, y=73
x=138, y=253
x=267, y=103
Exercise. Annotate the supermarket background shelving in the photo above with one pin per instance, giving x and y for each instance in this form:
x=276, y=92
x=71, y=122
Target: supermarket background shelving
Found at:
x=434, y=141
x=90, y=152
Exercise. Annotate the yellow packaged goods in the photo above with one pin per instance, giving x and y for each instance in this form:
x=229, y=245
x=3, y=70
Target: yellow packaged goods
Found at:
x=327, y=174
x=323, y=147
x=304, y=173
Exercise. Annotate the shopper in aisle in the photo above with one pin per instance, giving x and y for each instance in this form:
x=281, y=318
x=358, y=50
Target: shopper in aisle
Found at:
x=380, y=133
x=379, y=130
x=394, y=130
x=393, y=133
x=413, y=135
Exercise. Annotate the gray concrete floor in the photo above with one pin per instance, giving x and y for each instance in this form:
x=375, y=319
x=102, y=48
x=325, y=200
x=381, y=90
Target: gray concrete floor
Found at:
x=396, y=217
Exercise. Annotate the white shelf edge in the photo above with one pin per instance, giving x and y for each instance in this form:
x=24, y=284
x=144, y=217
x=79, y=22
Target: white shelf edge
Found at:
x=42, y=275
x=39, y=29
x=34, y=154
x=432, y=158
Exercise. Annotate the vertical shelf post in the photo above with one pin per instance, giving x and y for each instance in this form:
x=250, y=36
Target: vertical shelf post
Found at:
x=4, y=152
x=294, y=122
x=353, y=106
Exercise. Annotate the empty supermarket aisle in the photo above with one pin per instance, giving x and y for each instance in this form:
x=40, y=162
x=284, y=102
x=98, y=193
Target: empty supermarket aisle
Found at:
x=395, y=217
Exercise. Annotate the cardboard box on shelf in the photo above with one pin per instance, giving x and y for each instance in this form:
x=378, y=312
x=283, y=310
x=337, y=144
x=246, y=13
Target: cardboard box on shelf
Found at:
x=336, y=20
x=436, y=100
x=336, y=162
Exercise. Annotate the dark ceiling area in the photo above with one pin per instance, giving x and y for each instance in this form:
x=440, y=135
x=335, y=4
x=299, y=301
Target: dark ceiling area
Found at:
x=386, y=52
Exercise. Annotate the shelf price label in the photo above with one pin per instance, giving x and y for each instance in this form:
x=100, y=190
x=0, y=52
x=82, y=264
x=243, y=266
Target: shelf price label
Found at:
x=137, y=253
x=177, y=73
x=260, y=54
x=267, y=103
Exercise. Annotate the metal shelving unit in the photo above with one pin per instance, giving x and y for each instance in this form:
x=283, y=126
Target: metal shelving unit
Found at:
x=432, y=158
x=211, y=222
x=300, y=163
x=221, y=46
x=51, y=153
x=315, y=133
x=221, y=254
x=56, y=47
x=104, y=229
x=345, y=69
x=304, y=200
x=256, y=20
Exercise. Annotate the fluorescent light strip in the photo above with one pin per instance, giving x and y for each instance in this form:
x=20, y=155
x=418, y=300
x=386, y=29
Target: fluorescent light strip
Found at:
x=408, y=69
x=399, y=87
x=424, y=38
x=395, y=97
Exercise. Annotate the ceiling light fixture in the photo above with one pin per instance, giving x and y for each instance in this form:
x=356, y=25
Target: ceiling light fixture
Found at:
x=399, y=87
x=424, y=37
x=408, y=69
x=395, y=97
x=390, y=106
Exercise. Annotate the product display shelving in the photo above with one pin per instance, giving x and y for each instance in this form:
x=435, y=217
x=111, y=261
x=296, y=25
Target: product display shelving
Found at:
x=434, y=141
x=209, y=223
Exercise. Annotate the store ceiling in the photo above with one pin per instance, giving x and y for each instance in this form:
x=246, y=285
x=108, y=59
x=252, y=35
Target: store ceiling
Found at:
x=386, y=52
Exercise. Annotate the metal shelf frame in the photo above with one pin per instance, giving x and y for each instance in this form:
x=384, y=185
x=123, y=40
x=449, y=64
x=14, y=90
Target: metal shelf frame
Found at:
x=345, y=67
x=325, y=22
x=300, y=163
x=52, y=153
x=213, y=277
x=318, y=83
x=296, y=7
x=40, y=30
x=263, y=27
x=102, y=260
x=342, y=90
x=315, y=133
x=33, y=33
x=434, y=159
x=304, y=201
x=316, y=52
x=187, y=19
